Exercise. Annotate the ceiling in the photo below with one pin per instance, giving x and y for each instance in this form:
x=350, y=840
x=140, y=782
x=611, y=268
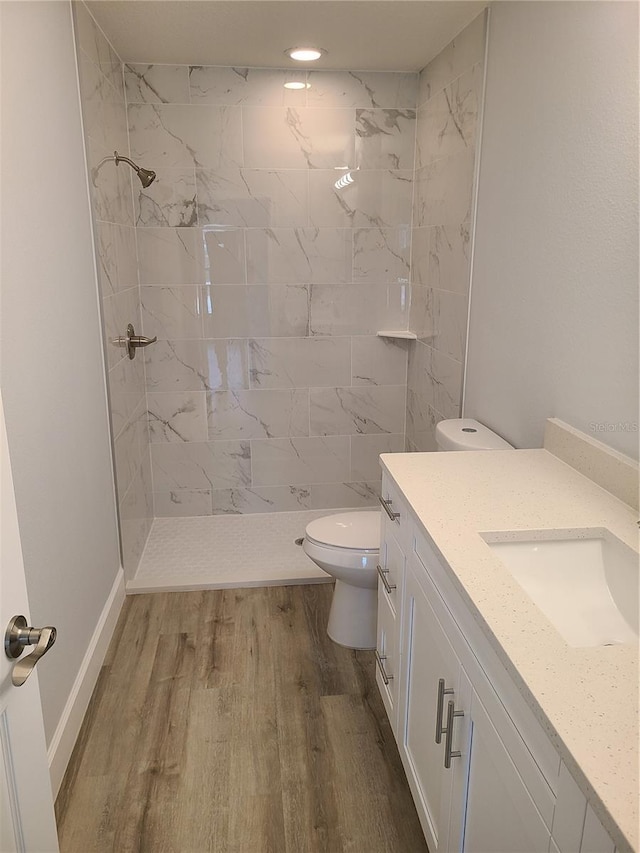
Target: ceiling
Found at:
x=374, y=35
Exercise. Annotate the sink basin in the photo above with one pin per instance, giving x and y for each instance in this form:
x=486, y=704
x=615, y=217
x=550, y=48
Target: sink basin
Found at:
x=585, y=584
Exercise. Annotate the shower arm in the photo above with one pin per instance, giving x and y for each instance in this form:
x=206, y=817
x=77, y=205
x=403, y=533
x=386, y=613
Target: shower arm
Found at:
x=118, y=158
x=146, y=176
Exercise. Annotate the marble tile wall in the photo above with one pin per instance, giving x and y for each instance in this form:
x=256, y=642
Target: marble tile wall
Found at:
x=105, y=124
x=450, y=89
x=268, y=389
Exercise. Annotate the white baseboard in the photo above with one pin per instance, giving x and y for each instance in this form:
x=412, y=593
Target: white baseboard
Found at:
x=68, y=728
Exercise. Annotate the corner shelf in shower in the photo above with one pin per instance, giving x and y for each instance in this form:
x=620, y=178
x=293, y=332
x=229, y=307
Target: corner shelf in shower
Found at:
x=403, y=334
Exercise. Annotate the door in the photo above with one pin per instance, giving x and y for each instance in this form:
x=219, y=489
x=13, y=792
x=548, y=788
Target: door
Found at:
x=498, y=814
x=430, y=680
x=27, y=822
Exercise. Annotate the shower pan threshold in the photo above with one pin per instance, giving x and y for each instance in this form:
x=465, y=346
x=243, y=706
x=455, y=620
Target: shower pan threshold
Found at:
x=227, y=551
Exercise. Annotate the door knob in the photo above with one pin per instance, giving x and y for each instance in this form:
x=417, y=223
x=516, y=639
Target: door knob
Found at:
x=132, y=341
x=17, y=636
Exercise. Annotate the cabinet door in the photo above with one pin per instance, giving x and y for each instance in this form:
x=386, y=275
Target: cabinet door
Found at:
x=427, y=658
x=498, y=815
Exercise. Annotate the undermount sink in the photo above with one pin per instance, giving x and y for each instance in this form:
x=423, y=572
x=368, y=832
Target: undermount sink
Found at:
x=586, y=584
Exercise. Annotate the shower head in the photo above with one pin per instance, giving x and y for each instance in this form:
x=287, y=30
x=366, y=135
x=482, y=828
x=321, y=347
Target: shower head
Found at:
x=146, y=175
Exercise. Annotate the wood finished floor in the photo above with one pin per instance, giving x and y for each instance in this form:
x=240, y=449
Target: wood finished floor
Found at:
x=227, y=721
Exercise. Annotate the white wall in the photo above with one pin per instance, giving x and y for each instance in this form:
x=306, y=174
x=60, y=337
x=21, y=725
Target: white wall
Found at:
x=554, y=316
x=52, y=372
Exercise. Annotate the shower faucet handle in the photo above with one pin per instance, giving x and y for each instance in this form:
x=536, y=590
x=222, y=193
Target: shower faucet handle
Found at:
x=132, y=341
x=141, y=340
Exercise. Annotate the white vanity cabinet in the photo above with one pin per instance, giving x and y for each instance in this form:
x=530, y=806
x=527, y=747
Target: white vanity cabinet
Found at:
x=483, y=774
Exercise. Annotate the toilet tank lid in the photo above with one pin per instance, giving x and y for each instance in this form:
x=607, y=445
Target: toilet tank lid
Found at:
x=356, y=530
x=468, y=434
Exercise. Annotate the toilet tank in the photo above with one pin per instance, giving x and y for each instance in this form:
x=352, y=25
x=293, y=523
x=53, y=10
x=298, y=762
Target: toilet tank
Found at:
x=467, y=434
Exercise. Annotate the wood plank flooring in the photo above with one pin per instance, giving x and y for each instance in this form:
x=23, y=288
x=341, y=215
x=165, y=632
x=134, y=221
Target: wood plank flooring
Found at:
x=227, y=721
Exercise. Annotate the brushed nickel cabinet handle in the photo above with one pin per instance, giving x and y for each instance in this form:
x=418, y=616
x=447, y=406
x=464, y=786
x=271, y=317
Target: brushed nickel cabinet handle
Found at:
x=448, y=739
x=394, y=516
x=382, y=574
x=379, y=660
x=442, y=692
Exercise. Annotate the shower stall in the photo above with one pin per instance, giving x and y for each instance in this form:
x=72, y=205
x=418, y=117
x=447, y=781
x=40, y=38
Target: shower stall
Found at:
x=270, y=260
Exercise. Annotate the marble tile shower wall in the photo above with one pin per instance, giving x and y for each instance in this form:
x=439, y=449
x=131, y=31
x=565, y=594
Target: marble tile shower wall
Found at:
x=268, y=389
x=450, y=89
x=105, y=124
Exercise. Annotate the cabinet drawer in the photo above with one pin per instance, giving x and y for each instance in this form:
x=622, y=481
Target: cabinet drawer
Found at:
x=394, y=505
x=387, y=658
x=391, y=573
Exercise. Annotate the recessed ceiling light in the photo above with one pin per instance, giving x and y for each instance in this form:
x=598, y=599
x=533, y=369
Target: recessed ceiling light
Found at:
x=297, y=84
x=305, y=54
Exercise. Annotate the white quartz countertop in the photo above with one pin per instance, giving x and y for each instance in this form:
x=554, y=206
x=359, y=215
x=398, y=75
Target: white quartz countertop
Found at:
x=585, y=698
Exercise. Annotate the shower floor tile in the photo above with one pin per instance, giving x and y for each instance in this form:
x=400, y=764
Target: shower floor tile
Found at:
x=227, y=551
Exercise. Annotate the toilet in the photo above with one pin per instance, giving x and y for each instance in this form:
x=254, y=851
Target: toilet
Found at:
x=347, y=546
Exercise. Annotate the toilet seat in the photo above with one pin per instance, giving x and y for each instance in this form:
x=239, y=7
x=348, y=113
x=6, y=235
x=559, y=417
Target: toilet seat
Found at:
x=341, y=558
x=346, y=531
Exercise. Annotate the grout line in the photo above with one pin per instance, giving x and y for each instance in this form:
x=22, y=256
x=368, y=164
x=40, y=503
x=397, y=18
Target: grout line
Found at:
x=147, y=451
x=476, y=183
x=102, y=32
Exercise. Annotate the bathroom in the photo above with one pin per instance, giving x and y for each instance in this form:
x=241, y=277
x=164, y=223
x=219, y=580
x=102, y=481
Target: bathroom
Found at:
x=486, y=224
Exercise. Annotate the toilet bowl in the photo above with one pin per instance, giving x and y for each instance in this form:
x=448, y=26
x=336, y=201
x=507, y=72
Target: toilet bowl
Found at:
x=347, y=547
